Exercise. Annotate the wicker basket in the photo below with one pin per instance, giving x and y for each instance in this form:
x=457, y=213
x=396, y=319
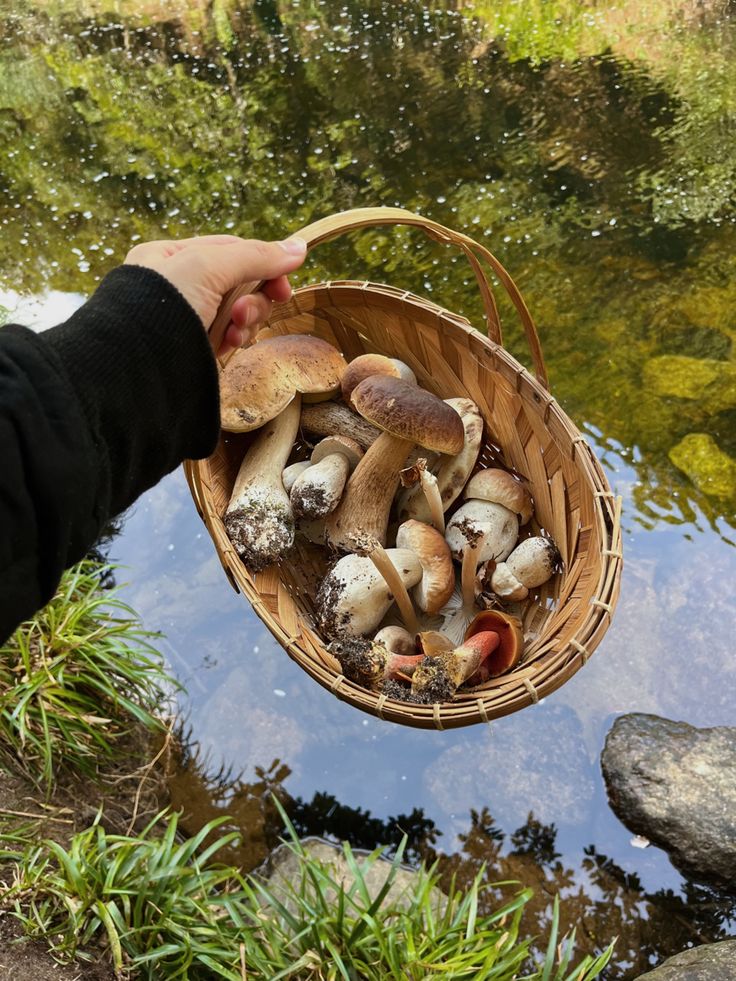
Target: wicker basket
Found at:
x=565, y=620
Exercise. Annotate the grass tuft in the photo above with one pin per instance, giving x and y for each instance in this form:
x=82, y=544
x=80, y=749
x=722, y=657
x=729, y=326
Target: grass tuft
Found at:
x=163, y=910
x=76, y=678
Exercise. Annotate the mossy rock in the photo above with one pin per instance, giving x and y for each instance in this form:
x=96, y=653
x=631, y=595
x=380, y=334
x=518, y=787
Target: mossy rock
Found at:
x=711, y=383
x=711, y=470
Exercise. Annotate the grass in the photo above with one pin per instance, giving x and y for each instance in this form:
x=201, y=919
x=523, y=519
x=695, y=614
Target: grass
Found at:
x=163, y=910
x=76, y=678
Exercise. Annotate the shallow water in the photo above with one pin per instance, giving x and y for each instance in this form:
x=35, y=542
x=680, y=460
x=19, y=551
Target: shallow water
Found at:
x=593, y=149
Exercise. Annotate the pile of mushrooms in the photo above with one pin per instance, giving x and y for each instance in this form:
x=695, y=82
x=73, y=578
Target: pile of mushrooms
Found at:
x=412, y=604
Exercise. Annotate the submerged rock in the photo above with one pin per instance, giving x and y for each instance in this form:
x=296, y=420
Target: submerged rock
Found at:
x=283, y=870
x=711, y=470
x=709, y=962
x=709, y=382
x=676, y=785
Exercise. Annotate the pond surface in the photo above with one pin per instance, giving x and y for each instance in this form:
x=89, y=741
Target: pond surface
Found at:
x=593, y=149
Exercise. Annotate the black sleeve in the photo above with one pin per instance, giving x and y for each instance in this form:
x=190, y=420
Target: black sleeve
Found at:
x=92, y=413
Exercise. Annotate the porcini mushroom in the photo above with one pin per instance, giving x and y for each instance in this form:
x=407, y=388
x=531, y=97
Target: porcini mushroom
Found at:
x=510, y=645
x=488, y=521
x=373, y=364
x=258, y=382
x=331, y=418
x=452, y=472
x=397, y=640
x=437, y=678
x=438, y=576
x=353, y=597
x=418, y=476
x=291, y=472
x=317, y=491
x=259, y=519
x=531, y=563
x=408, y=415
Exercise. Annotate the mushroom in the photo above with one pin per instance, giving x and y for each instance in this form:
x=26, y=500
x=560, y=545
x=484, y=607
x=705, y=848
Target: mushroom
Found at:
x=292, y=472
x=419, y=476
x=488, y=521
x=373, y=364
x=530, y=564
x=258, y=382
x=460, y=608
x=259, y=519
x=331, y=418
x=408, y=415
x=317, y=491
x=354, y=597
x=510, y=646
x=397, y=640
x=438, y=677
x=452, y=472
x=372, y=663
x=438, y=576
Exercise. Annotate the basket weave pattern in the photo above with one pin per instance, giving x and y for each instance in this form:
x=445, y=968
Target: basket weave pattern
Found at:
x=564, y=620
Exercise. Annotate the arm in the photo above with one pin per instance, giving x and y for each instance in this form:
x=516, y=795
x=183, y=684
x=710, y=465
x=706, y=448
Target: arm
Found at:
x=95, y=411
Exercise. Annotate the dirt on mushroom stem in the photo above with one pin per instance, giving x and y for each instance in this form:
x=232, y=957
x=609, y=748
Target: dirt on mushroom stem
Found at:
x=313, y=501
x=260, y=533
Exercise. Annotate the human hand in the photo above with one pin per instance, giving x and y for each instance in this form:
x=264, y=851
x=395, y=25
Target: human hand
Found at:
x=204, y=269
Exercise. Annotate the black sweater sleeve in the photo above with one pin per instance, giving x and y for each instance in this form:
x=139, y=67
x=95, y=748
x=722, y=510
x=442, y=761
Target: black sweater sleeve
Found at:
x=92, y=413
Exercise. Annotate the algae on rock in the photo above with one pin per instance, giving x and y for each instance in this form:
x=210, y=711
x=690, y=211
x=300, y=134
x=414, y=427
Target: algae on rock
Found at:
x=704, y=462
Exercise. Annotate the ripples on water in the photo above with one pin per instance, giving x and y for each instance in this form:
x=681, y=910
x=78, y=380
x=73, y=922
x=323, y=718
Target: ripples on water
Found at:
x=594, y=151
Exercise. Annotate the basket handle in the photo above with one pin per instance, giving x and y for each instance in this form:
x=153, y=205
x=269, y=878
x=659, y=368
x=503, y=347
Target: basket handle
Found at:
x=332, y=226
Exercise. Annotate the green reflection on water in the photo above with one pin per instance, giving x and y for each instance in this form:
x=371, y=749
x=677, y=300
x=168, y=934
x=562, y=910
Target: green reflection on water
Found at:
x=592, y=148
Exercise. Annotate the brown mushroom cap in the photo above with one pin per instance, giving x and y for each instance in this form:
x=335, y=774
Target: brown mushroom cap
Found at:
x=351, y=450
x=409, y=412
x=373, y=364
x=260, y=381
x=511, y=646
x=499, y=487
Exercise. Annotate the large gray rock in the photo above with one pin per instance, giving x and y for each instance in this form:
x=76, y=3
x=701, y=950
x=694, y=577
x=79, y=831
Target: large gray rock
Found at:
x=283, y=867
x=676, y=785
x=710, y=962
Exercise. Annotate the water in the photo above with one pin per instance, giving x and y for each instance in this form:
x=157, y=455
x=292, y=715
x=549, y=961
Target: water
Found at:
x=593, y=150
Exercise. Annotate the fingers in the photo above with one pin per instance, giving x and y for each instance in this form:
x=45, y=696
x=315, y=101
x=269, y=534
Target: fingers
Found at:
x=247, y=260
x=248, y=314
x=278, y=290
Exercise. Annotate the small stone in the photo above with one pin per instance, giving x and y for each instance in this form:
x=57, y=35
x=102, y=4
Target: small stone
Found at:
x=711, y=383
x=711, y=470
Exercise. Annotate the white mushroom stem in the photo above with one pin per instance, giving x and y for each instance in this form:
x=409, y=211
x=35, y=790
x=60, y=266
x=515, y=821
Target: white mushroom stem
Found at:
x=461, y=608
x=467, y=576
x=291, y=473
x=317, y=491
x=259, y=519
x=394, y=579
x=354, y=597
x=419, y=474
x=331, y=418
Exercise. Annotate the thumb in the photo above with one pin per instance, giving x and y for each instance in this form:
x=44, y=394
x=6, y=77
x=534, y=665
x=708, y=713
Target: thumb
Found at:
x=245, y=260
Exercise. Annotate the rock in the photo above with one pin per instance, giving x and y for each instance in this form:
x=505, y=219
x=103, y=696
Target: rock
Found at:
x=283, y=868
x=711, y=470
x=709, y=962
x=707, y=381
x=676, y=785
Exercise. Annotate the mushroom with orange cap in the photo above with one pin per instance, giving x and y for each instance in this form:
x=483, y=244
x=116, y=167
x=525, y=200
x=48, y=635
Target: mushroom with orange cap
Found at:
x=408, y=416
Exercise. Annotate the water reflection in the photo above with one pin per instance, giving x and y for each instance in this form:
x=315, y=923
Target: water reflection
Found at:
x=597, y=161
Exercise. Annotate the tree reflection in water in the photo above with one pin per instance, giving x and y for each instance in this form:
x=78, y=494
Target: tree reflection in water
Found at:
x=599, y=898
